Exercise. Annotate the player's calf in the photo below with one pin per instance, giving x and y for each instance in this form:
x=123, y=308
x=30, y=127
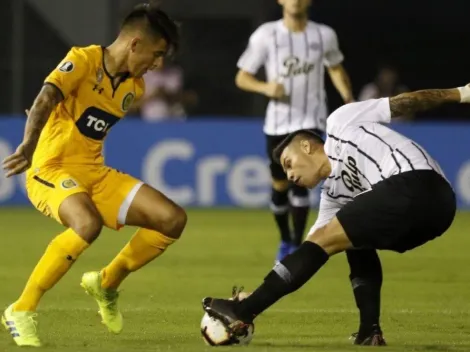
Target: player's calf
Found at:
x=280, y=209
x=300, y=203
x=366, y=281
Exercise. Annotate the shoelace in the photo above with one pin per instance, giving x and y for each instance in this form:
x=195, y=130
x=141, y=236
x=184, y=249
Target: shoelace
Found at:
x=236, y=292
x=28, y=326
x=111, y=300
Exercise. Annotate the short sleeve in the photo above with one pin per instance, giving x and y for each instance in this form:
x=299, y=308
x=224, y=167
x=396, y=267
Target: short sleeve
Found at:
x=70, y=72
x=255, y=54
x=372, y=110
x=332, y=54
x=140, y=88
x=327, y=211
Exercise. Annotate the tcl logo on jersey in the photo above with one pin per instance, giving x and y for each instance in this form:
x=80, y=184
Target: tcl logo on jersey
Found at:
x=294, y=67
x=95, y=123
x=351, y=178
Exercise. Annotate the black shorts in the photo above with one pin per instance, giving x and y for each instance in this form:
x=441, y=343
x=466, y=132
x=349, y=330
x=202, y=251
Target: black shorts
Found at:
x=277, y=173
x=400, y=213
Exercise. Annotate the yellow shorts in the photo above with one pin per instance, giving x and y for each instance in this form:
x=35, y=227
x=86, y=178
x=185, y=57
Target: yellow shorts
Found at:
x=112, y=191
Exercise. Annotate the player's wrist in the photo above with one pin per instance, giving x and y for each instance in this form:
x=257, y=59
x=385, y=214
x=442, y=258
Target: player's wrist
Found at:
x=264, y=88
x=464, y=94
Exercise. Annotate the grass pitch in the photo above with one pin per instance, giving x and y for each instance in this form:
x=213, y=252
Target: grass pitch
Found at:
x=426, y=305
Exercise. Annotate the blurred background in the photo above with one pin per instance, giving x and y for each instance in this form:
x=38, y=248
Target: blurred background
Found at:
x=200, y=140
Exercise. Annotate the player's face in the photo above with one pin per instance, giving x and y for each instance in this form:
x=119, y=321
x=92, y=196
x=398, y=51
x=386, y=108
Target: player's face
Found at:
x=295, y=7
x=301, y=164
x=146, y=54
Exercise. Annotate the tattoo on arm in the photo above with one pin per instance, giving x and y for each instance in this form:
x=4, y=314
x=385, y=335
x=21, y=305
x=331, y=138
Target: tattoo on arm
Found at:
x=422, y=100
x=47, y=99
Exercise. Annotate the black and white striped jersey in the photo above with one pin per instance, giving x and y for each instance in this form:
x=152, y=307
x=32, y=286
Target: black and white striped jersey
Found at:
x=363, y=151
x=297, y=60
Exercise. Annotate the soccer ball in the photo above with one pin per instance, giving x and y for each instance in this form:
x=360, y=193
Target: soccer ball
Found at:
x=214, y=333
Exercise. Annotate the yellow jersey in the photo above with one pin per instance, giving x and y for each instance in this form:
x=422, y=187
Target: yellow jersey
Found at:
x=77, y=127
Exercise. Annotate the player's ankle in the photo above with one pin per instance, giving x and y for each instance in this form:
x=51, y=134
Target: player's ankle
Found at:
x=366, y=329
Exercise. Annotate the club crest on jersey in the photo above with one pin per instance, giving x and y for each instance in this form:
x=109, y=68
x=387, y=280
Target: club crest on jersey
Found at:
x=338, y=149
x=127, y=101
x=66, y=67
x=68, y=183
x=295, y=67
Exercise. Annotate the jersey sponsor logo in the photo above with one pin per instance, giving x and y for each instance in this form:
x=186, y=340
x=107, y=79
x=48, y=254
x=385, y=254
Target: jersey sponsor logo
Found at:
x=127, y=101
x=350, y=177
x=68, y=184
x=67, y=66
x=95, y=123
x=295, y=67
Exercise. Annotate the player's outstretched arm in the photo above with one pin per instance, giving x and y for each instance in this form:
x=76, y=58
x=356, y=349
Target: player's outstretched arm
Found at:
x=422, y=100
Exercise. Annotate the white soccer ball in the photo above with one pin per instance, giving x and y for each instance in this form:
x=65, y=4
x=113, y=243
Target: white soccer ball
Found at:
x=214, y=333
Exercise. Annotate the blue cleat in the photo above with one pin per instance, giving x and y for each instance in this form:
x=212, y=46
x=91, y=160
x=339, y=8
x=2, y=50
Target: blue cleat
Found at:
x=293, y=248
x=284, y=249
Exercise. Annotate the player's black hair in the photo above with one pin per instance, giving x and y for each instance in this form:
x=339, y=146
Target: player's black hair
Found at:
x=308, y=134
x=158, y=20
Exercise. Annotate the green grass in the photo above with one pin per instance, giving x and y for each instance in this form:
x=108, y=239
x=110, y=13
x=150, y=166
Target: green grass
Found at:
x=426, y=305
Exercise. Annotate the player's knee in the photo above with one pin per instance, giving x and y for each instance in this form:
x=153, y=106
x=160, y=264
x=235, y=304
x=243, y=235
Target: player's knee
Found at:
x=280, y=185
x=331, y=242
x=88, y=227
x=172, y=222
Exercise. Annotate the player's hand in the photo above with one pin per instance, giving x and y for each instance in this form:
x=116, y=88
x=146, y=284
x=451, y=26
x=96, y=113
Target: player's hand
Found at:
x=20, y=160
x=464, y=93
x=274, y=90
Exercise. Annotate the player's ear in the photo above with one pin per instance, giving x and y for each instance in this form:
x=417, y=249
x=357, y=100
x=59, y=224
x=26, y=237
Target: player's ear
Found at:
x=280, y=2
x=306, y=146
x=134, y=44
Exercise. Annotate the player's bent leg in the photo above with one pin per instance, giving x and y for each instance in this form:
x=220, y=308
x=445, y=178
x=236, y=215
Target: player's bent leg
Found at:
x=161, y=223
x=300, y=203
x=78, y=212
x=331, y=238
x=152, y=210
x=366, y=280
x=286, y=277
x=280, y=209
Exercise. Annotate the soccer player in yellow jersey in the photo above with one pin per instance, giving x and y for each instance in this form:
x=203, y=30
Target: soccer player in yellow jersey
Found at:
x=66, y=179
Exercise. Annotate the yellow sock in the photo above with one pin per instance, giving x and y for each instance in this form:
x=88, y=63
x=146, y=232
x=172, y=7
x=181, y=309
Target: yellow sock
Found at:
x=56, y=261
x=143, y=247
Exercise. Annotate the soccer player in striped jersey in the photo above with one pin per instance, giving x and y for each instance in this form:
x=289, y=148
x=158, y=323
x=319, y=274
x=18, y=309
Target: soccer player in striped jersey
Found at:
x=381, y=191
x=294, y=52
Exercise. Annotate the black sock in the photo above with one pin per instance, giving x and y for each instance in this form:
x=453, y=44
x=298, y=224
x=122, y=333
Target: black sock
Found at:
x=286, y=277
x=300, y=209
x=366, y=280
x=280, y=209
x=299, y=219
